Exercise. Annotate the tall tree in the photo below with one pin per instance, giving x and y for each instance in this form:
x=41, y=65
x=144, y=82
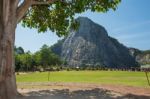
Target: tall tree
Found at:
x=55, y=15
x=45, y=54
x=47, y=57
x=19, y=50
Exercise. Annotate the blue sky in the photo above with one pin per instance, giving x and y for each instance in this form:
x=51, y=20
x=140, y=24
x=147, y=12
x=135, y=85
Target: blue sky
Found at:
x=130, y=24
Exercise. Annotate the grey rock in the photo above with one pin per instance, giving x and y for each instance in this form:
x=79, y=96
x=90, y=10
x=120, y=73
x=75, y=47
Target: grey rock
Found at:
x=142, y=57
x=90, y=45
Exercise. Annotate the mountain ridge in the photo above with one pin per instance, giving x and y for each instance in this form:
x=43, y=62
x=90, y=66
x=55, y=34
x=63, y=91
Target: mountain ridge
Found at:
x=91, y=45
x=142, y=57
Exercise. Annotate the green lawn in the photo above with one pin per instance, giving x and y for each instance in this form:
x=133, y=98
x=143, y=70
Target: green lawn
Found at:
x=101, y=77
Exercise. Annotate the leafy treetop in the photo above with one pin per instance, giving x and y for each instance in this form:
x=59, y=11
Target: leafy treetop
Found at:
x=58, y=15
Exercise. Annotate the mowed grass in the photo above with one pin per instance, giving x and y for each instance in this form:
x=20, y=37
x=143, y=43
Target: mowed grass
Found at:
x=101, y=77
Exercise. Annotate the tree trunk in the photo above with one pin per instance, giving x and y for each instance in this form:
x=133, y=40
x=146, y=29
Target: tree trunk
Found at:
x=8, y=24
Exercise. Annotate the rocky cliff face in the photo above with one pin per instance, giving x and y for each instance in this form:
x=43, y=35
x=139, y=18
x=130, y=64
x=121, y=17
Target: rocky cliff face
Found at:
x=90, y=45
x=142, y=57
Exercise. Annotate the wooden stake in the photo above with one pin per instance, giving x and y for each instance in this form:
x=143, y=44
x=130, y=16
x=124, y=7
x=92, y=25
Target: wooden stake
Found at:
x=48, y=75
x=147, y=78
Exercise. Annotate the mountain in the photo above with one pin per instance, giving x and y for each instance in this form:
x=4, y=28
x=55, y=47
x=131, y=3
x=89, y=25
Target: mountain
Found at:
x=57, y=47
x=142, y=57
x=90, y=45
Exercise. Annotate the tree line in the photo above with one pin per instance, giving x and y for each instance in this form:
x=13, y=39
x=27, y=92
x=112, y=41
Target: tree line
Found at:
x=40, y=60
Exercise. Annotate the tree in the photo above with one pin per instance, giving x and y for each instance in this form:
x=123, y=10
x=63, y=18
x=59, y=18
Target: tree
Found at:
x=55, y=15
x=24, y=62
x=37, y=58
x=47, y=57
x=57, y=47
x=45, y=54
x=19, y=50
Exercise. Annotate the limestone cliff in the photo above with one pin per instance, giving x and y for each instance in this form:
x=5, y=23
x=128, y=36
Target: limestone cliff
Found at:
x=90, y=45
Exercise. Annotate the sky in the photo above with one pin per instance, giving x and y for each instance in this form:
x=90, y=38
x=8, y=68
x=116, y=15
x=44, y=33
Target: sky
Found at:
x=130, y=24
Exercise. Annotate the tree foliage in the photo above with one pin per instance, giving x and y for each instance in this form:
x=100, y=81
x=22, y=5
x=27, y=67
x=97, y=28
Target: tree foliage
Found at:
x=44, y=58
x=57, y=47
x=59, y=15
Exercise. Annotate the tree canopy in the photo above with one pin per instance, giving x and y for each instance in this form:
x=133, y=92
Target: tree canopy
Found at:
x=58, y=15
x=44, y=58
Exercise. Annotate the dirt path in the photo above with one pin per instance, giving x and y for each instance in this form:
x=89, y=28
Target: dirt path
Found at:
x=80, y=91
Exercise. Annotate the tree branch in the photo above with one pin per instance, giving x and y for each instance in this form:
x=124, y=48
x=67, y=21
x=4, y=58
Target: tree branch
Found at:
x=17, y=2
x=22, y=9
x=43, y=2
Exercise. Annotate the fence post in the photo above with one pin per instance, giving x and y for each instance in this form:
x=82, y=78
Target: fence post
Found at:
x=48, y=75
x=147, y=78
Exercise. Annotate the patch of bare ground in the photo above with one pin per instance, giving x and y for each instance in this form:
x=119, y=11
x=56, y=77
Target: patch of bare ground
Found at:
x=80, y=91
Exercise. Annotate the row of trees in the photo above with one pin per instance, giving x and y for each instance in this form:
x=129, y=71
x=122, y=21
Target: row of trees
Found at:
x=42, y=59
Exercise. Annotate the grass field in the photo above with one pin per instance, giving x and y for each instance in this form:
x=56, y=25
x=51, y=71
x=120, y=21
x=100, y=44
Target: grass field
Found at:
x=101, y=77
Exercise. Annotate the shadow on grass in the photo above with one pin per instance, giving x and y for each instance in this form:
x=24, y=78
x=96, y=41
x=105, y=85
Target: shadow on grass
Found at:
x=79, y=94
